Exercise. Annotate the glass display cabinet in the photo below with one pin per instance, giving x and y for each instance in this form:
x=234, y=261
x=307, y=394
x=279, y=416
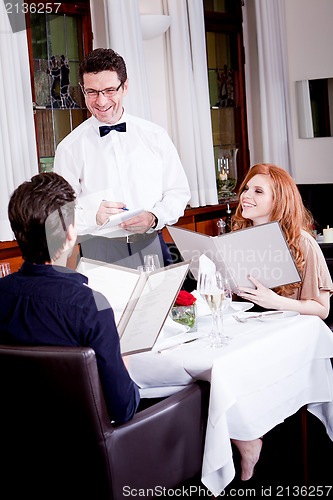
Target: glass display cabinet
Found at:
x=57, y=42
x=225, y=57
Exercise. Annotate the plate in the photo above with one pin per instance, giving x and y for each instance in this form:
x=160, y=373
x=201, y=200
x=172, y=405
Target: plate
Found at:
x=278, y=317
x=238, y=307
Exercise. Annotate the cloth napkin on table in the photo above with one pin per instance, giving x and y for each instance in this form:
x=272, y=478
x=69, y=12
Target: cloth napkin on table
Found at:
x=201, y=305
x=172, y=328
x=206, y=266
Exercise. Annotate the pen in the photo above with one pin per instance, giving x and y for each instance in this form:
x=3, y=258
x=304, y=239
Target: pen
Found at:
x=123, y=208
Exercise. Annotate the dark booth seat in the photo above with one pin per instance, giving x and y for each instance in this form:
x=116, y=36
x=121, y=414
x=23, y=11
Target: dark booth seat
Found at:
x=57, y=440
x=329, y=319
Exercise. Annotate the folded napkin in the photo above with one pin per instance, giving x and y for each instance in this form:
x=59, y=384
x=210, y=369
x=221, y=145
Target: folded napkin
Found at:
x=207, y=270
x=202, y=308
x=171, y=328
x=206, y=266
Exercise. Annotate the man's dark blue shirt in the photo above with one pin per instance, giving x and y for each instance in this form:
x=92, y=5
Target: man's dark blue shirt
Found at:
x=49, y=305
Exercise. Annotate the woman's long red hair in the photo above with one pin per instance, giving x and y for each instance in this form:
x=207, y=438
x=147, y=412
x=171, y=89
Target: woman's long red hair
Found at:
x=288, y=210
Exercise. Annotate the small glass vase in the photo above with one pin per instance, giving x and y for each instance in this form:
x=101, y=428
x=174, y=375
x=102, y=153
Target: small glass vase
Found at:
x=184, y=315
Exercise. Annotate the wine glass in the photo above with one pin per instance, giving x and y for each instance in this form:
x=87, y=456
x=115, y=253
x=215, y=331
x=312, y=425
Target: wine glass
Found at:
x=227, y=292
x=217, y=293
x=4, y=269
x=152, y=260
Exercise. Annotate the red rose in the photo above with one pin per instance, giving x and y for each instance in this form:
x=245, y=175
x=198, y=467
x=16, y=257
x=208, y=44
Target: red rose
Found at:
x=185, y=299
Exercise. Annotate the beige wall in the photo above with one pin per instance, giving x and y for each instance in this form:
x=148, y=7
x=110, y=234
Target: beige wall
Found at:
x=154, y=55
x=310, y=55
x=154, y=50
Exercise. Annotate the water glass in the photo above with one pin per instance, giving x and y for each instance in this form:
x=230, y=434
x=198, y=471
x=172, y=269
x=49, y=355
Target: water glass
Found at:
x=4, y=269
x=145, y=269
x=152, y=260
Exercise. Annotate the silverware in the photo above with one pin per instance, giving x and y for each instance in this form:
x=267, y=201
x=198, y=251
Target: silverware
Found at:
x=256, y=316
x=177, y=345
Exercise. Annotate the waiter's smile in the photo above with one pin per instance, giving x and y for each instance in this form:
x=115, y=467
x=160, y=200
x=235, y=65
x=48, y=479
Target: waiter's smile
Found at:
x=105, y=109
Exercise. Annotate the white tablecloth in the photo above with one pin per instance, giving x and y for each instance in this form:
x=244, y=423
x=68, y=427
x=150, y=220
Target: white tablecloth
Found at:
x=267, y=372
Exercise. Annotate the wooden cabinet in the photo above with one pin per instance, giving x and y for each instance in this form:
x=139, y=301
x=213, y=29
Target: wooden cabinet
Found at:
x=203, y=219
x=10, y=252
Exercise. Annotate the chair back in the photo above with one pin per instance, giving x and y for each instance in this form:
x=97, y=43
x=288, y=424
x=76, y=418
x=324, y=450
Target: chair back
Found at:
x=52, y=406
x=56, y=440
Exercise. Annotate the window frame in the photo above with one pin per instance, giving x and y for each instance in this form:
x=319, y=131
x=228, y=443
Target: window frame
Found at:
x=233, y=24
x=80, y=9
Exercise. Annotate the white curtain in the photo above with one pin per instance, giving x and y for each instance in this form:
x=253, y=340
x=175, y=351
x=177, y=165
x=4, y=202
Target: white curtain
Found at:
x=188, y=104
x=274, y=105
x=18, y=155
x=189, y=97
x=304, y=112
x=123, y=34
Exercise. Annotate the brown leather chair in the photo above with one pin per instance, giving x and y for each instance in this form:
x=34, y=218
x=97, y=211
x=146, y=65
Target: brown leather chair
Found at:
x=57, y=441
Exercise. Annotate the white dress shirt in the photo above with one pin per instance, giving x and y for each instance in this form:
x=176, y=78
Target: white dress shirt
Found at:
x=139, y=167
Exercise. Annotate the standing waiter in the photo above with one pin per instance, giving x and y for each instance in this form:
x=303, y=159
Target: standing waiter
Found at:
x=115, y=161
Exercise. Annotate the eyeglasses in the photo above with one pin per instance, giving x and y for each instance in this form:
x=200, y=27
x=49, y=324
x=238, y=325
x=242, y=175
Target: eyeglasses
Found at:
x=93, y=94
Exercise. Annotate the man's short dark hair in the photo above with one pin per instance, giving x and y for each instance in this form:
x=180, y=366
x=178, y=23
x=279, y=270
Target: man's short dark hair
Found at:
x=103, y=60
x=40, y=211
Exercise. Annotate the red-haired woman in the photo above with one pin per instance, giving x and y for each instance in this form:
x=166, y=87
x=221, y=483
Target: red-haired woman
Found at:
x=268, y=193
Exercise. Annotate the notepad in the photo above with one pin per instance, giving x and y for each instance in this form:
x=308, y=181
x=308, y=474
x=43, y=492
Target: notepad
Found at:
x=141, y=301
x=122, y=216
x=111, y=228
x=260, y=251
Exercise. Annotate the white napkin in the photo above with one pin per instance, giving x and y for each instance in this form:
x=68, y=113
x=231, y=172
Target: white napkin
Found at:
x=172, y=328
x=201, y=305
x=206, y=266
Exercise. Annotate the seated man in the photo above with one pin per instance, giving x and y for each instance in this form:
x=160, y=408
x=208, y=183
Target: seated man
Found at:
x=43, y=304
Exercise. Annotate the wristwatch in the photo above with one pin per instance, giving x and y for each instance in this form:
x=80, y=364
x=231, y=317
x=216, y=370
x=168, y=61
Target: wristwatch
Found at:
x=155, y=223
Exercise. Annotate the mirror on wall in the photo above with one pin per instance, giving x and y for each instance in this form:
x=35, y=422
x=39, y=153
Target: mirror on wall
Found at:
x=315, y=107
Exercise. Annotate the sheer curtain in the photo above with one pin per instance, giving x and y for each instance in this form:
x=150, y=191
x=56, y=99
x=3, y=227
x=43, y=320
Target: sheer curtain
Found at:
x=189, y=106
x=274, y=104
x=304, y=109
x=189, y=97
x=18, y=155
x=123, y=34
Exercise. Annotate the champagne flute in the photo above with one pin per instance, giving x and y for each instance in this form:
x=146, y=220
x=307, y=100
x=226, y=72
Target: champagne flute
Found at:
x=217, y=293
x=202, y=285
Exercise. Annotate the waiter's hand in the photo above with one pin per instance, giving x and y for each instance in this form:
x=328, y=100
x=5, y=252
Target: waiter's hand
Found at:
x=139, y=224
x=106, y=209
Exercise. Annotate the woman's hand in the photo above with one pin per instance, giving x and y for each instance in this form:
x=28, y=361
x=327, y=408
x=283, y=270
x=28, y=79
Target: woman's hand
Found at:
x=261, y=295
x=268, y=299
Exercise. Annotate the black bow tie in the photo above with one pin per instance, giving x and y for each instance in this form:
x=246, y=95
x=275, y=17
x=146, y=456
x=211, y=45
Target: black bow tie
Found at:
x=120, y=127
